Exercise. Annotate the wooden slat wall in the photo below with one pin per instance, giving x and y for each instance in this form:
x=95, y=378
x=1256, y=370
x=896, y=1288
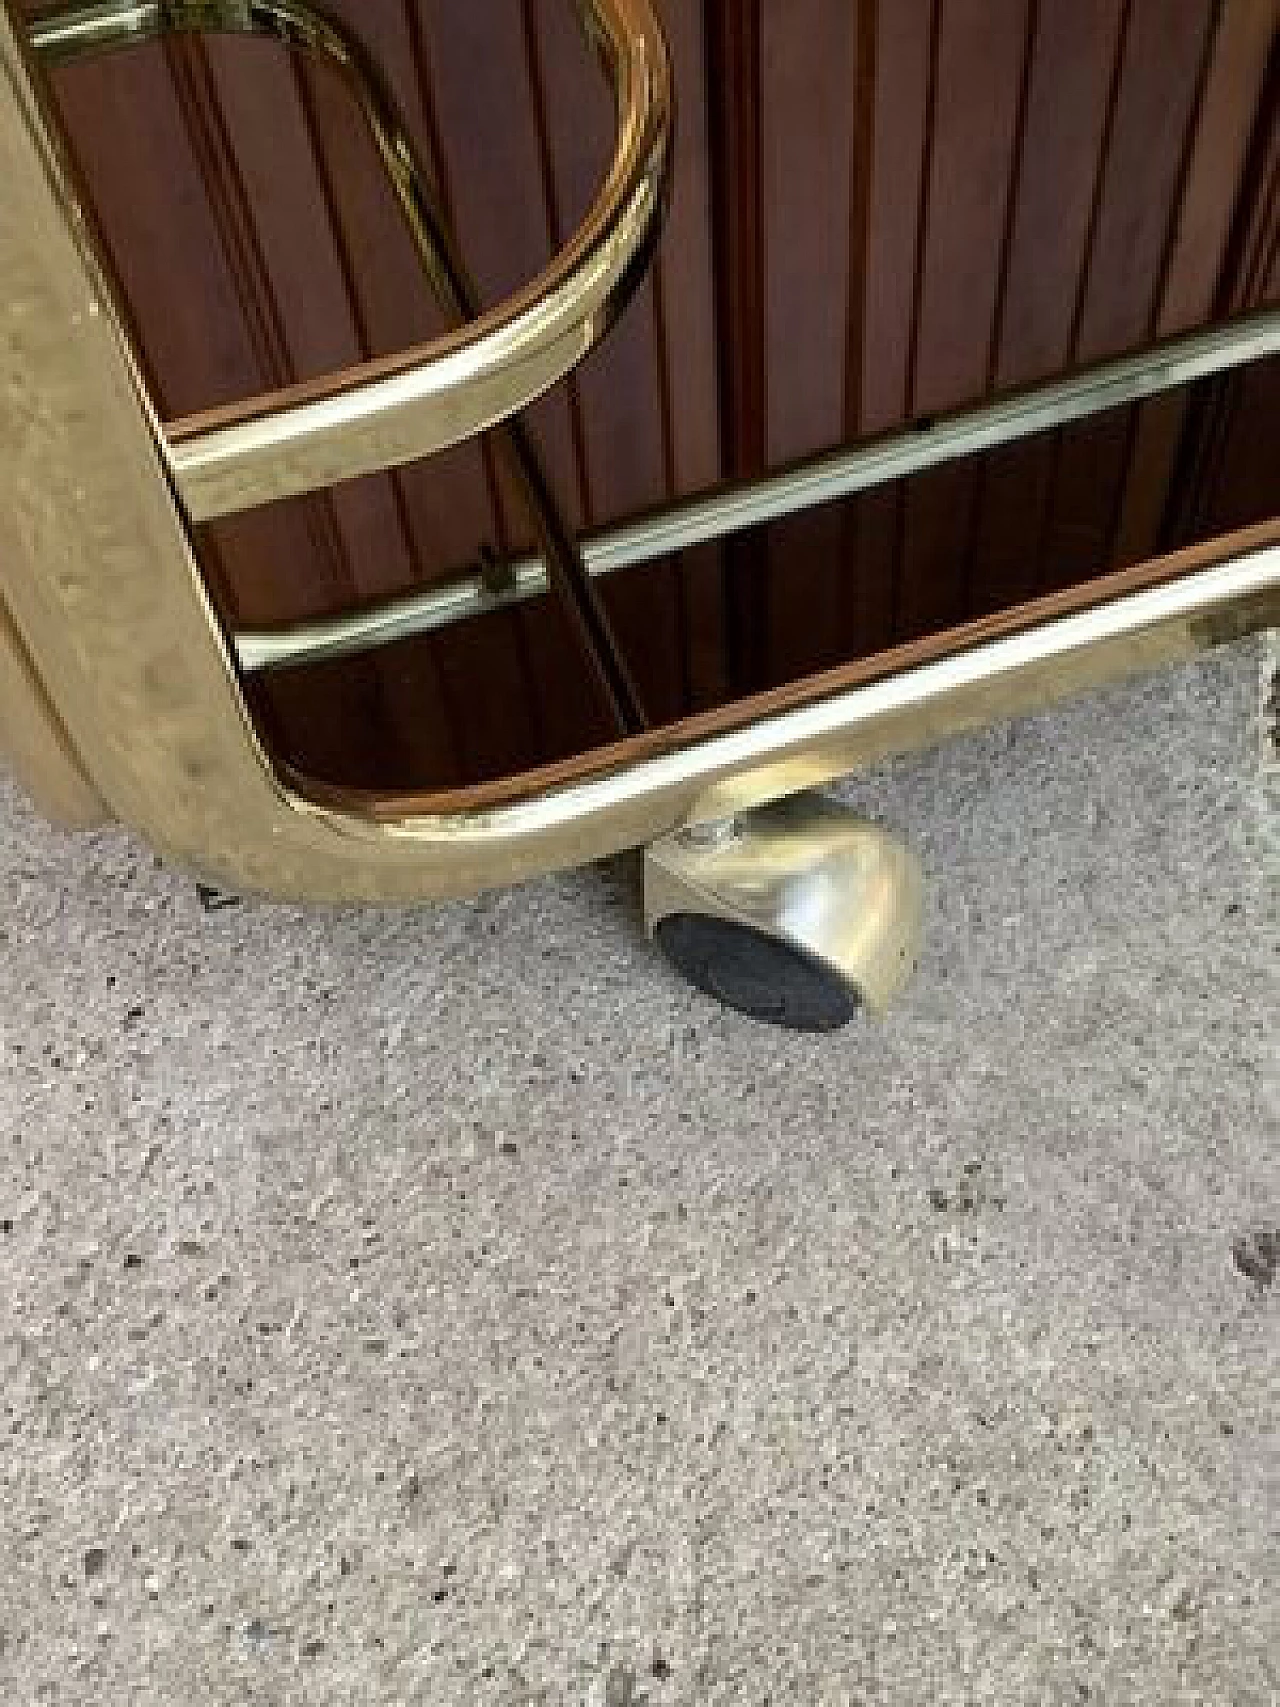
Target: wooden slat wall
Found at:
x=882, y=209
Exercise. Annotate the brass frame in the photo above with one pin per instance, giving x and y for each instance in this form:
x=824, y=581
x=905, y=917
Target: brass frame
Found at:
x=98, y=579
x=35, y=745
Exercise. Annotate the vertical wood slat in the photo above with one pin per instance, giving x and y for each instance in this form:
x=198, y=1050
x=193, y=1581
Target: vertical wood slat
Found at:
x=1216, y=458
x=924, y=200
x=1081, y=482
x=852, y=604
x=1071, y=100
x=996, y=340
x=897, y=186
x=962, y=262
x=809, y=64
x=1199, y=261
x=1166, y=58
x=734, y=83
x=684, y=260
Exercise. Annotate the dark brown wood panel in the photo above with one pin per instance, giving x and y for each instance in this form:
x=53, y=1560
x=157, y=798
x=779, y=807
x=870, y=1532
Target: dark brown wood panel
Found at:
x=1199, y=266
x=967, y=209
x=1076, y=57
x=881, y=209
x=1166, y=61
x=812, y=57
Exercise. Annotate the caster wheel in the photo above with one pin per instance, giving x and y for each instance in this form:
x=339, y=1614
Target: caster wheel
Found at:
x=756, y=974
x=799, y=913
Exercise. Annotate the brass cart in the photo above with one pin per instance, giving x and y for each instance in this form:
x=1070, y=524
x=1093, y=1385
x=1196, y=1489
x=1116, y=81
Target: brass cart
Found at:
x=892, y=368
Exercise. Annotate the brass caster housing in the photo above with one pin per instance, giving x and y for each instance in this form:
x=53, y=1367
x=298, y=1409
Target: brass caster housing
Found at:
x=798, y=913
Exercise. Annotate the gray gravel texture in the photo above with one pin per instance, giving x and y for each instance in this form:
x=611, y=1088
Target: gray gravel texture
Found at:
x=454, y=1307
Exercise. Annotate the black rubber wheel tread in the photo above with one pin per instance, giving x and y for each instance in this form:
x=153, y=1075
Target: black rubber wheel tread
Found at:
x=755, y=974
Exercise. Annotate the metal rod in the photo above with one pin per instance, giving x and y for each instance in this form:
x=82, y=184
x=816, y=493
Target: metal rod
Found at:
x=84, y=32
x=824, y=480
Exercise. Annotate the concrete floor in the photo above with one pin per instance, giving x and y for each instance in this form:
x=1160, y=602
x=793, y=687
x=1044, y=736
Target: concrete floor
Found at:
x=455, y=1307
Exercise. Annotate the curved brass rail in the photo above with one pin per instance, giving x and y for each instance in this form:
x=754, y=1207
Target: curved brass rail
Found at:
x=390, y=412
